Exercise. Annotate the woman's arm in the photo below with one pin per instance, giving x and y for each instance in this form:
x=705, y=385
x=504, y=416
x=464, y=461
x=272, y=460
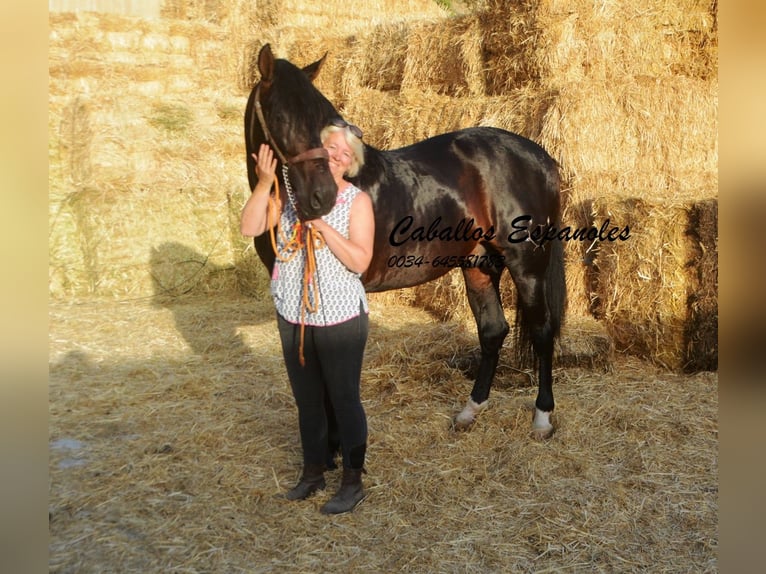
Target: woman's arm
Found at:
x=356, y=251
x=254, y=219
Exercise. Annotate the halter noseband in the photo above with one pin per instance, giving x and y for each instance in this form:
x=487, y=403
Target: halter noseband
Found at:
x=314, y=153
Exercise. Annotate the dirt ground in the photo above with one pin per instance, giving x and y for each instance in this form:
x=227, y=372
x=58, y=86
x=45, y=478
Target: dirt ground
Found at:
x=173, y=434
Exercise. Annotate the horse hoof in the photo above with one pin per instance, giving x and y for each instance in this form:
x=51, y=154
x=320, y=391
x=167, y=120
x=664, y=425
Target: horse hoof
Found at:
x=542, y=433
x=542, y=429
x=461, y=424
x=465, y=418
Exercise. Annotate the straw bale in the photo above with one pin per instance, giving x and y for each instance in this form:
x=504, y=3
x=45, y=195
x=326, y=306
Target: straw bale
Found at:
x=658, y=134
x=701, y=331
x=379, y=60
x=666, y=37
x=396, y=119
x=569, y=42
x=338, y=16
x=643, y=287
x=125, y=155
x=304, y=47
x=624, y=98
x=207, y=10
x=445, y=57
x=279, y=21
x=510, y=43
x=377, y=114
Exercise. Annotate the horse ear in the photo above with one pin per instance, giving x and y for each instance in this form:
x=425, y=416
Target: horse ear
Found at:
x=312, y=70
x=266, y=63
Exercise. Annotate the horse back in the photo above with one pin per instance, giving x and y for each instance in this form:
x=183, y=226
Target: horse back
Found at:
x=452, y=196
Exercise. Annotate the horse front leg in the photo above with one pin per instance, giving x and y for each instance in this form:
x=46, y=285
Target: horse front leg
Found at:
x=484, y=299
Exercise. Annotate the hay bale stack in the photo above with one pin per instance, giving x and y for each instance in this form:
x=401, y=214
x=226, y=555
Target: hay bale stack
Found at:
x=510, y=45
x=580, y=40
x=302, y=32
x=636, y=117
x=625, y=98
x=379, y=61
x=445, y=57
x=392, y=119
x=649, y=290
x=657, y=135
x=701, y=326
x=340, y=17
x=146, y=146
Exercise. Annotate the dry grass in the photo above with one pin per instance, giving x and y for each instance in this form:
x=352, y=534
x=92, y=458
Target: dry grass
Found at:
x=173, y=434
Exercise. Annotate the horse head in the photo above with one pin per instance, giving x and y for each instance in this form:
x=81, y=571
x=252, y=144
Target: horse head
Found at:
x=286, y=111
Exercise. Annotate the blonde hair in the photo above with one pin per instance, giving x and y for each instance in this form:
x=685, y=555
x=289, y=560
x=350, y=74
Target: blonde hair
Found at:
x=356, y=145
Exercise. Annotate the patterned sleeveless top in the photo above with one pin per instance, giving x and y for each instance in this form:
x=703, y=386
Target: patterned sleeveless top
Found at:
x=341, y=293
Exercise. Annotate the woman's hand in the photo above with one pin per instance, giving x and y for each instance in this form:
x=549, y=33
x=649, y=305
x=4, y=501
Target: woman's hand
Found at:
x=265, y=167
x=355, y=252
x=254, y=218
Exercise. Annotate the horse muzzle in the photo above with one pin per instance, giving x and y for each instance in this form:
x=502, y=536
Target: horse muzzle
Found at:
x=314, y=187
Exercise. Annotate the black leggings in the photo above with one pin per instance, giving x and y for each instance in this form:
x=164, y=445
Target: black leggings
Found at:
x=333, y=367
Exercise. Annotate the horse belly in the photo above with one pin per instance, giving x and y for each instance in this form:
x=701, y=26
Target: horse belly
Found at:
x=399, y=278
x=397, y=269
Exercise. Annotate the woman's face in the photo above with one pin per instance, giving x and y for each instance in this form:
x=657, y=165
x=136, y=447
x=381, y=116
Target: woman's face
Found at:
x=341, y=155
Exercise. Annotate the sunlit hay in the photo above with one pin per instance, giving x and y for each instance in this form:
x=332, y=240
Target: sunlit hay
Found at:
x=174, y=435
x=645, y=288
x=580, y=40
x=139, y=164
x=379, y=59
x=280, y=21
x=392, y=119
x=377, y=114
x=510, y=43
x=445, y=57
x=658, y=136
x=172, y=428
x=626, y=100
x=305, y=47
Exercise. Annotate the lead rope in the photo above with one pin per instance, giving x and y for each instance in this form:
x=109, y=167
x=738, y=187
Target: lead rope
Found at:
x=303, y=237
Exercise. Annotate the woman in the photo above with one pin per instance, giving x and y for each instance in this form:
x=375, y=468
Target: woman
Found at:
x=335, y=332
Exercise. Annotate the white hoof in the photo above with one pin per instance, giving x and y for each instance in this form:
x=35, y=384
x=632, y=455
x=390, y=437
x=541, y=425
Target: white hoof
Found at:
x=467, y=416
x=542, y=428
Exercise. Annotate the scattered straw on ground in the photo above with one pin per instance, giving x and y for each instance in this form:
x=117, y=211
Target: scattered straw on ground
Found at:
x=173, y=434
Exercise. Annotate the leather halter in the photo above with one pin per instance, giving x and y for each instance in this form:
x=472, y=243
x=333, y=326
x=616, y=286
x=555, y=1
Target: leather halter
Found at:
x=314, y=153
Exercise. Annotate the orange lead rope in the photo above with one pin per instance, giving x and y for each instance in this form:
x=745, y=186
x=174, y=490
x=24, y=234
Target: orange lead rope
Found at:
x=303, y=237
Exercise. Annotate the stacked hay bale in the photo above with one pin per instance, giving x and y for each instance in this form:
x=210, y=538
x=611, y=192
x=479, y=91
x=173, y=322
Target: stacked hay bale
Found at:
x=145, y=148
x=635, y=127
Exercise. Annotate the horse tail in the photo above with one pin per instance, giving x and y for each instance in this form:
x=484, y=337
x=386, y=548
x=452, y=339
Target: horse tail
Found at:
x=536, y=330
x=556, y=287
x=533, y=331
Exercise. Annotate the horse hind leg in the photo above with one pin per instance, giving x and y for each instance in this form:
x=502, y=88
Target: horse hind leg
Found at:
x=537, y=326
x=483, y=290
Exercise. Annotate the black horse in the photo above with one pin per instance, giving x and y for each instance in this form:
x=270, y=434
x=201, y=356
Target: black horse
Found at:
x=481, y=199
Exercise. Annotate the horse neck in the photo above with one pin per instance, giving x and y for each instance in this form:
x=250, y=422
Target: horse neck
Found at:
x=373, y=170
